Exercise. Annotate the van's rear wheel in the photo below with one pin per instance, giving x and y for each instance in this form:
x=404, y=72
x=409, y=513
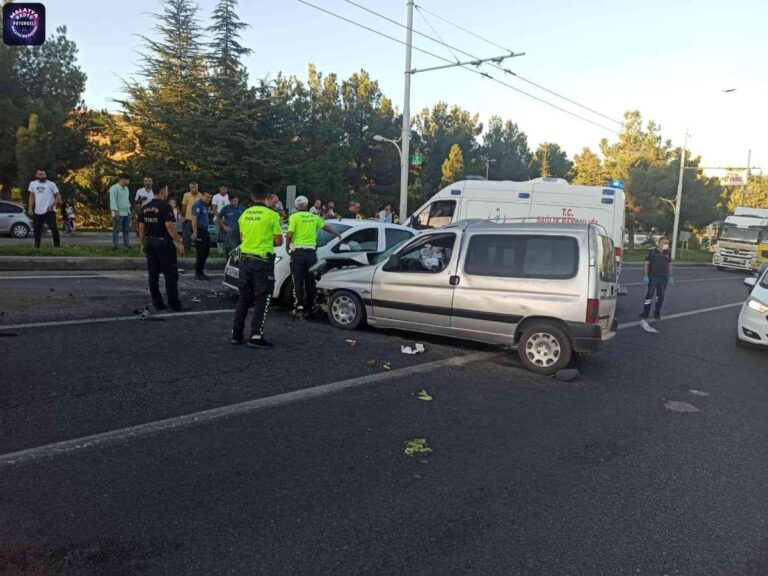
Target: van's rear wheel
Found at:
x=544, y=348
x=346, y=310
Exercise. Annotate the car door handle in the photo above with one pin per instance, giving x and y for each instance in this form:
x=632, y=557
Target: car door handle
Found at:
x=454, y=280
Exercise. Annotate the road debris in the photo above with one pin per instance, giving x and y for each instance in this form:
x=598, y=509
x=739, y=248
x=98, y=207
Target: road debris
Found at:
x=647, y=327
x=196, y=300
x=417, y=349
x=700, y=393
x=386, y=366
x=372, y=362
x=416, y=447
x=424, y=395
x=352, y=343
x=677, y=406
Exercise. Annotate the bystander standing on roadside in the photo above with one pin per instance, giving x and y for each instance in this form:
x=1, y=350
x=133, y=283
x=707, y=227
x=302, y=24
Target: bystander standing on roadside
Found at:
x=351, y=212
x=228, y=222
x=274, y=202
x=219, y=201
x=658, y=275
x=142, y=197
x=120, y=205
x=301, y=244
x=317, y=208
x=187, y=201
x=161, y=244
x=358, y=213
x=44, y=197
x=385, y=215
x=261, y=231
x=330, y=211
x=175, y=208
x=69, y=217
x=200, y=236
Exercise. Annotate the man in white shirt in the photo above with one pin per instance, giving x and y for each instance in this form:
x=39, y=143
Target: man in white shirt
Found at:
x=144, y=195
x=44, y=197
x=317, y=208
x=219, y=201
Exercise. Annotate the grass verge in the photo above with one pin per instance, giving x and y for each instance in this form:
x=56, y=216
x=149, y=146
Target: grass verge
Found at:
x=688, y=256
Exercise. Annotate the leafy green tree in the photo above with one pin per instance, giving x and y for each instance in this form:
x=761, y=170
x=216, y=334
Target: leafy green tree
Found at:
x=588, y=169
x=506, y=146
x=550, y=161
x=453, y=166
x=437, y=130
x=753, y=195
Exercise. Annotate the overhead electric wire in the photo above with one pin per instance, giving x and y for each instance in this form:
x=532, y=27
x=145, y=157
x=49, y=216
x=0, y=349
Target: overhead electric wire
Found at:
x=463, y=29
x=484, y=74
x=439, y=40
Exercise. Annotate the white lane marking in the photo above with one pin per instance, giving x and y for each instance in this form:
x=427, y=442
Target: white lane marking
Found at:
x=683, y=314
x=639, y=266
x=113, y=319
x=216, y=414
x=713, y=279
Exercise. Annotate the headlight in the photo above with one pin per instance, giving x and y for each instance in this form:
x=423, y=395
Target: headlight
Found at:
x=757, y=306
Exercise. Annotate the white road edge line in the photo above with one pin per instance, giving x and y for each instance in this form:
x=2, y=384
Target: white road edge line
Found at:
x=216, y=414
x=134, y=318
x=683, y=314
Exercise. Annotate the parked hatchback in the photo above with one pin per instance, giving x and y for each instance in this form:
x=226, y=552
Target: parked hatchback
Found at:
x=548, y=289
x=13, y=220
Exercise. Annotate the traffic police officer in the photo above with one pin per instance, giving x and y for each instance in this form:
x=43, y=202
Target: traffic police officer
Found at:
x=261, y=232
x=658, y=274
x=302, y=237
x=160, y=242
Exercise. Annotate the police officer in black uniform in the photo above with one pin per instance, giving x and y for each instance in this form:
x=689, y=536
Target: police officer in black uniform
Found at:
x=260, y=231
x=658, y=275
x=161, y=243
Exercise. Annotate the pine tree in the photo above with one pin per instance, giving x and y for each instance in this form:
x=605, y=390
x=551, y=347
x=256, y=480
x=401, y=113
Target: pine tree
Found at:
x=453, y=167
x=588, y=169
x=228, y=75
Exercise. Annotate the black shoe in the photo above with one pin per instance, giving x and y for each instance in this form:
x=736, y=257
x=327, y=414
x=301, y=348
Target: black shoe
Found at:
x=179, y=309
x=159, y=305
x=202, y=277
x=235, y=339
x=259, y=343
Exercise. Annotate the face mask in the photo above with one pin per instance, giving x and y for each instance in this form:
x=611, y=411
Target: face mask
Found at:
x=665, y=247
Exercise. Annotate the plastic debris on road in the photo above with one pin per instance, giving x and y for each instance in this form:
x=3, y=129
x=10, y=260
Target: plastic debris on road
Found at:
x=700, y=393
x=417, y=349
x=372, y=362
x=387, y=366
x=416, y=447
x=677, y=406
x=647, y=327
x=196, y=300
x=352, y=343
x=424, y=395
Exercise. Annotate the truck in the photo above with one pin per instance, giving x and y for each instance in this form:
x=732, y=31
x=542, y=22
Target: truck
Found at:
x=540, y=201
x=742, y=240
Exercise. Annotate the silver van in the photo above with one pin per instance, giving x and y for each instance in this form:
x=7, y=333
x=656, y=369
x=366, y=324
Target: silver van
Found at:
x=548, y=289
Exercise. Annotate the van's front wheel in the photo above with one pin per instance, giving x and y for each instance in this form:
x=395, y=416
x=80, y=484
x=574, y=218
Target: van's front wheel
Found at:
x=544, y=348
x=346, y=310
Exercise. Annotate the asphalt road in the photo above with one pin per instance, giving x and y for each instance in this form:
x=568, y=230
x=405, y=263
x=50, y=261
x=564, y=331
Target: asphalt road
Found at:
x=527, y=475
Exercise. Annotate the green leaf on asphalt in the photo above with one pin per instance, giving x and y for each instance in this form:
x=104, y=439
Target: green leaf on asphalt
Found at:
x=416, y=446
x=423, y=395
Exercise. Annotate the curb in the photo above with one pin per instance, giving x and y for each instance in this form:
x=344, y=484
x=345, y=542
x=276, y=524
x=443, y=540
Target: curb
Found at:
x=55, y=263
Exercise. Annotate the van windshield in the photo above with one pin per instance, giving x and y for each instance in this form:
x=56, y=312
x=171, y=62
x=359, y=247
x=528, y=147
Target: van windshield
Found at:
x=435, y=215
x=736, y=234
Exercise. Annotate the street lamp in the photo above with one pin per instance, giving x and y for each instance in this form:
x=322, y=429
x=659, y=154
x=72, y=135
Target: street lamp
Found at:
x=403, y=192
x=380, y=138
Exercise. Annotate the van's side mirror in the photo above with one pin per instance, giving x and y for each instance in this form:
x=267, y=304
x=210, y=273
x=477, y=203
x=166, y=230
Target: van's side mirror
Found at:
x=750, y=282
x=393, y=264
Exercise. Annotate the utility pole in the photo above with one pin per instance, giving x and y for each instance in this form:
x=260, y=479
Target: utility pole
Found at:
x=405, y=150
x=749, y=164
x=679, y=196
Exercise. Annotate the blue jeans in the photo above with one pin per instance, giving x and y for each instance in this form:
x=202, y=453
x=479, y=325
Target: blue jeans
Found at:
x=121, y=223
x=186, y=234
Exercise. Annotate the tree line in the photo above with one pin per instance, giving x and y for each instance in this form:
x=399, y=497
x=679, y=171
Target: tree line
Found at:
x=192, y=113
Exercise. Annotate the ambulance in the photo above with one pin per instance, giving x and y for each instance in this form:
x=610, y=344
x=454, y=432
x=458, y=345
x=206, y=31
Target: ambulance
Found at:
x=542, y=200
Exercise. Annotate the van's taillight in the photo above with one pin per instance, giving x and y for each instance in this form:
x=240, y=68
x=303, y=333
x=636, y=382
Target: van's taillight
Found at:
x=593, y=310
x=618, y=252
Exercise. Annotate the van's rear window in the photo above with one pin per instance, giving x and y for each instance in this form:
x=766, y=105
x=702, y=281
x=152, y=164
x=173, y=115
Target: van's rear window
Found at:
x=522, y=256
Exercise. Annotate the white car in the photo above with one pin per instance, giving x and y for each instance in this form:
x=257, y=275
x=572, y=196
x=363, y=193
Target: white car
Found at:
x=357, y=236
x=753, y=320
x=13, y=220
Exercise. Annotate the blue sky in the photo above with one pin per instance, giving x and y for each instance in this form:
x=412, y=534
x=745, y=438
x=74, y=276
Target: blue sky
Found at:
x=669, y=59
